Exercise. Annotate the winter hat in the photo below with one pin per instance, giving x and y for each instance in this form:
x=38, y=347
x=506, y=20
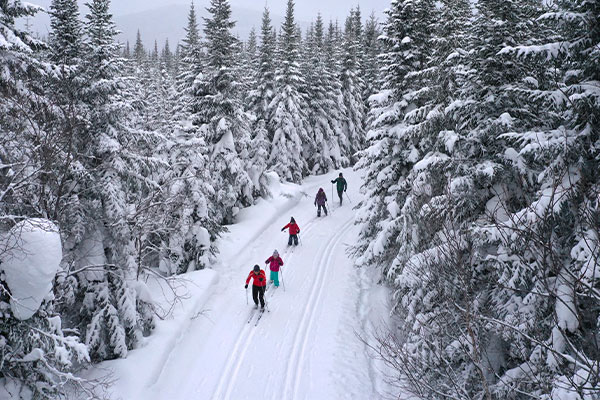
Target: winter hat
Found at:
x=293, y=220
x=256, y=268
x=320, y=189
x=340, y=174
x=275, y=253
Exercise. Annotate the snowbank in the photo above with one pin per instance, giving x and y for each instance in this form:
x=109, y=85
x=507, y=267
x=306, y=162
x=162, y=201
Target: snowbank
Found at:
x=30, y=263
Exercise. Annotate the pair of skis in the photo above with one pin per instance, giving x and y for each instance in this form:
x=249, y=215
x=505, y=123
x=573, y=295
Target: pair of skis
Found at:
x=260, y=315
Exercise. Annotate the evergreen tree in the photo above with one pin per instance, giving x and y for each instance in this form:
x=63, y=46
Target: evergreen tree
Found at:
x=66, y=32
x=139, y=52
x=371, y=65
x=36, y=352
x=352, y=85
x=167, y=56
x=322, y=103
x=220, y=118
x=287, y=120
x=189, y=63
x=263, y=91
x=112, y=153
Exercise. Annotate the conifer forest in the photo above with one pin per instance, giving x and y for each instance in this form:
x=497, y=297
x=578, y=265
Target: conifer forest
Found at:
x=474, y=126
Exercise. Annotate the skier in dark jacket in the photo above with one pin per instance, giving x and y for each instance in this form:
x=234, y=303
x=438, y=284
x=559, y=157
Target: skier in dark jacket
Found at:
x=342, y=186
x=320, y=201
x=258, y=286
x=294, y=231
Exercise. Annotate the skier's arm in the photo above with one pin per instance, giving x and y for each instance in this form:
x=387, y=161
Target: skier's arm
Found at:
x=334, y=181
x=345, y=185
x=280, y=261
x=285, y=227
x=248, y=279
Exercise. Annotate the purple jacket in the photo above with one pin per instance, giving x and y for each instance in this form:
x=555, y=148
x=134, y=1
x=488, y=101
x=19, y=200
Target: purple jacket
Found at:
x=321, y=198
x=274, y=263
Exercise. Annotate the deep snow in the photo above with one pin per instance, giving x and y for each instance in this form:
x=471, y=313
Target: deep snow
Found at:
x=31, y=255
x=306, y=347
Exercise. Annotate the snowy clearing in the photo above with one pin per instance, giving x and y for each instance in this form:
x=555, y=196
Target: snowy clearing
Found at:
x=306, y=347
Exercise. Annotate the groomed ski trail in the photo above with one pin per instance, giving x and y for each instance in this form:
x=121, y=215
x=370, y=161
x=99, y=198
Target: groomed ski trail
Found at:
x=306, y=346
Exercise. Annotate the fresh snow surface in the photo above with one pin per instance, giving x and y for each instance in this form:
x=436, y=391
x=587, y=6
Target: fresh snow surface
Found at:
x=306, y=347
x=31, y=254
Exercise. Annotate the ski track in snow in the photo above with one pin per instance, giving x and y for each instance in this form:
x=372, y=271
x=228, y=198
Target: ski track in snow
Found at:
x=296, y=361
x=305, y=346
x=236, y=358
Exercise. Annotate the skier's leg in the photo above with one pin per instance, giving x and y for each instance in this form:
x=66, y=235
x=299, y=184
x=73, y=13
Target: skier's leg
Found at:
x=318, y=210
x=290, y=240
x=341, y=196
x=325, y=209
x=275, y=277
x=255, y=294
x=295, y=240
x=261, y=292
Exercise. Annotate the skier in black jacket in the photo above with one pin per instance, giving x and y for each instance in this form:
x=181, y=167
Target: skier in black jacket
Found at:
x=342, y=186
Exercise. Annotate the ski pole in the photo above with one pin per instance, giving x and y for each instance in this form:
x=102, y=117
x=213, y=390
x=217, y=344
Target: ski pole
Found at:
x=246, y=296
x=348, y=197
x=265, y=300
x=300, y=240
x=332, y=190
x=282, y=282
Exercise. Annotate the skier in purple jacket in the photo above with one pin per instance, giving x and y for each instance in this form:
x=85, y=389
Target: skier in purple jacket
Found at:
x=320, y=201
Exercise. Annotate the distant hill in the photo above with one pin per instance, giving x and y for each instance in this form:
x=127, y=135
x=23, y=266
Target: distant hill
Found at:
x=158, y=23
x=169, y=22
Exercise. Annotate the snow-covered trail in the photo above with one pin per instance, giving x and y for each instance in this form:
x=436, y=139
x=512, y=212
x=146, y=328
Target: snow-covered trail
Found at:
x=307, y=346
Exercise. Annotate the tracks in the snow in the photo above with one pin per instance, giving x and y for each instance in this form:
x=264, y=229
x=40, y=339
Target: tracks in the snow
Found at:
x=295, y=367
x=237, y=355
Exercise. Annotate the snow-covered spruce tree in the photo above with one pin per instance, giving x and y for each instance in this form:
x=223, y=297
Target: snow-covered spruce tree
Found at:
x=338, y=113
x=220, y=119
x=246, y=63
x=412, y=226
x=189, y=65
x=353, y=85
x=544, y=249
x=260, y=96
x=371, y=65
x=36, y=355
x=139, y=52
x=322, y=104
x=287, y=122
x=112, y=190
x=166, y=57
x=262, y=90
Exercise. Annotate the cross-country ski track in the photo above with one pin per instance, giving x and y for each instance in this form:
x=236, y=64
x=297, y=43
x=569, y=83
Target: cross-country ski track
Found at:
x=306, y=346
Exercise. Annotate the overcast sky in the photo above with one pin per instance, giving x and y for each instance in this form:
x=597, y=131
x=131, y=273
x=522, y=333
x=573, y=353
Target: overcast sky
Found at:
x=162, y=19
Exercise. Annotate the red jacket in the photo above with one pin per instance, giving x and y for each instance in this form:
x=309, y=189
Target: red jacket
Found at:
x=294, y=228
x=274, y=263
x=257, y=280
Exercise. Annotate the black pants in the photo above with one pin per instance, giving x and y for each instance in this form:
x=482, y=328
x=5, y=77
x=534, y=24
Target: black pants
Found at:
x=341, y=195
x=319, y=209
x=258, y=291
x=293, y=238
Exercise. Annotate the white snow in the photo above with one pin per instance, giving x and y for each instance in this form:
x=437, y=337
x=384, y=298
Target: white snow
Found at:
x=306, y=347
x=30, y=262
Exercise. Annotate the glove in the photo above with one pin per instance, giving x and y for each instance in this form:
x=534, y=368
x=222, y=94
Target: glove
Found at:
x=260, y=279
x=344, y=190
x=246, y=287
x=282, y=229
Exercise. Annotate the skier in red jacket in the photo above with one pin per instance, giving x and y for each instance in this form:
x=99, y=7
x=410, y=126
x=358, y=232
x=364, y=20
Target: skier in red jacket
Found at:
x=258, y=286
x=275, y=262
x=294, y=231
